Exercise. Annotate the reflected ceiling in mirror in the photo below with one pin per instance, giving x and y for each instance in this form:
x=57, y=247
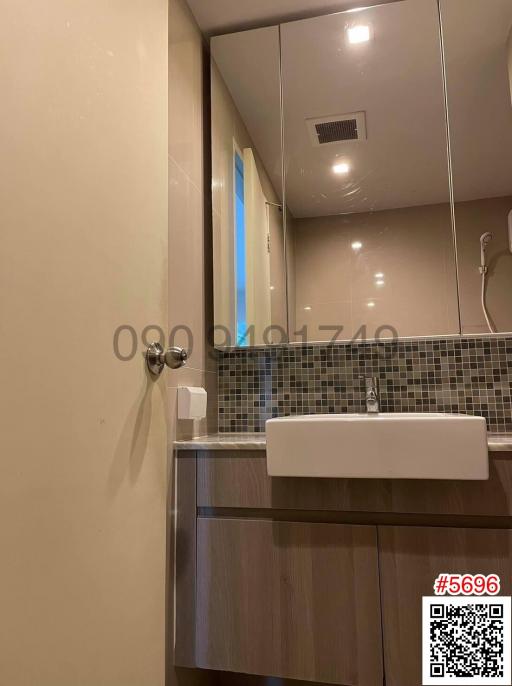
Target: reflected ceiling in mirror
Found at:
x=367, y=175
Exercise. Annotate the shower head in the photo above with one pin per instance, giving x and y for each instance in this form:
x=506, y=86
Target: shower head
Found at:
x=485, y=239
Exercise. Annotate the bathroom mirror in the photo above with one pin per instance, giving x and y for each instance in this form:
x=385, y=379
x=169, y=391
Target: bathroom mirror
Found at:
x=367, y=176
x=248, y=220
x=477, y=37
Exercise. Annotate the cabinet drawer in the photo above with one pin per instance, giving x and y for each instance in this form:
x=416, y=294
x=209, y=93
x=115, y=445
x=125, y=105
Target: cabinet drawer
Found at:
x=291, y=600
x=240, y=480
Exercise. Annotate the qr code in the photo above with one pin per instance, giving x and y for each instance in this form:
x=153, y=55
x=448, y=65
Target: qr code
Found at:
x=466, y=640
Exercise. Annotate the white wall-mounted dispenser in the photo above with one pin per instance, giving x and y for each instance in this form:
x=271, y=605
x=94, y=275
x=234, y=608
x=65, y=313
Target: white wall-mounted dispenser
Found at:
x=192, y=402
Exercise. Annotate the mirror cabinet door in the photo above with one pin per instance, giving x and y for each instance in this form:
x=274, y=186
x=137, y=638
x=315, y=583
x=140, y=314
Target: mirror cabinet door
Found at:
x=477, y=36
x=367, y=175
x=248, y=218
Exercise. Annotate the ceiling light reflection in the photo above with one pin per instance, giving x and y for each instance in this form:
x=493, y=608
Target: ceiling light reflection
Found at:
x=342, y=168
x=358, y=34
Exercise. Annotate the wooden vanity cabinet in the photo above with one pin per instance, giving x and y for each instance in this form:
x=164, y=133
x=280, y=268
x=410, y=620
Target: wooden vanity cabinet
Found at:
x=411, y=558
x=285, y=578
x=289, y=599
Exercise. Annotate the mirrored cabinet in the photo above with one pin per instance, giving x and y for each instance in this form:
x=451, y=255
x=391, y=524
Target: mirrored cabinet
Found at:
x=248, y=217
x=362, y=175
x=478, y=55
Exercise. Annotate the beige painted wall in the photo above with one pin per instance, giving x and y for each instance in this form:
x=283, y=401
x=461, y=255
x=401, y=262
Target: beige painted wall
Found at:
x=227, y=125
x=472, y=220
x=413, y=248
x=83, y=217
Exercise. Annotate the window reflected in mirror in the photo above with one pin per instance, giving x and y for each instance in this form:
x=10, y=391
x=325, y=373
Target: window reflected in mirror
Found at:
x=248, y=218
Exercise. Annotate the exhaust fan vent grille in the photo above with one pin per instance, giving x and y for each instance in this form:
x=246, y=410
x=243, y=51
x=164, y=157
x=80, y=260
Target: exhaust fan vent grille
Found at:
x=332, y=131
x=337, y=128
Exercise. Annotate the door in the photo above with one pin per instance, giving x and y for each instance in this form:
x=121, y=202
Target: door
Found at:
x=83, y=250
x=289, y=599
x=411, y=558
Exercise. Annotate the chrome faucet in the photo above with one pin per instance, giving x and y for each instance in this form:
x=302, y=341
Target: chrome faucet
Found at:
x=372, y=395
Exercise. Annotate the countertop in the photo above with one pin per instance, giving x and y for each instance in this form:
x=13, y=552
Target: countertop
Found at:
x=226, y=441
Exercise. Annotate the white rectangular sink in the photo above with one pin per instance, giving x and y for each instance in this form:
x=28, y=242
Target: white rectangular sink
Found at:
x=378, y=446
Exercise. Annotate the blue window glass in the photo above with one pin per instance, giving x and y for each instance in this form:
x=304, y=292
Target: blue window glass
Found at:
x=240, y=268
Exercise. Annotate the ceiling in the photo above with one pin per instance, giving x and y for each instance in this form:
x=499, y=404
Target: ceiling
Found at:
x=396, y=79
x=224, y=16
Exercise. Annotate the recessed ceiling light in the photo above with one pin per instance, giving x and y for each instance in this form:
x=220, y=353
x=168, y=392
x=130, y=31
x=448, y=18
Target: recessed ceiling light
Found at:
x=272, y=288
x=341, y=168
x=379, y=275
x=358, y=34
x=307, y=308
x=379, y=282
x=371, y=304
x=357, y=245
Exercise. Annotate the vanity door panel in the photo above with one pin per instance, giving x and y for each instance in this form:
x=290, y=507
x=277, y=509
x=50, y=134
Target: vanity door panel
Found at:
x=411, y=558
x=291, y=600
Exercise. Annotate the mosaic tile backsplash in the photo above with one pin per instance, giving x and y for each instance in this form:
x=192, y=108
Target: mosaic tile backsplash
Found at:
x=462, y=375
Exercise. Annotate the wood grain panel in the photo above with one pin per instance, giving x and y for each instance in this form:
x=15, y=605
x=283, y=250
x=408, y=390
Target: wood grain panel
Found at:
x=185, y=569
x=240, y=480
x=492, y=497
x=230, y=679
x=292, y=600
x=410, y=560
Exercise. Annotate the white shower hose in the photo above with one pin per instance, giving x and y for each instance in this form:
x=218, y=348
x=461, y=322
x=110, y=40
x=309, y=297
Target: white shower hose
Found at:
x=483, y=272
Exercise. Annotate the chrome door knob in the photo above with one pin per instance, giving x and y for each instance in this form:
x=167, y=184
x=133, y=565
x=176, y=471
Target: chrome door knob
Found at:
x=157, y=358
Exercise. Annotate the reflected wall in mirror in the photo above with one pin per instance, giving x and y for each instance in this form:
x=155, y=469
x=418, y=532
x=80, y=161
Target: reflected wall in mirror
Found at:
x=477, y=37
x=367, y=175
x=248, y=218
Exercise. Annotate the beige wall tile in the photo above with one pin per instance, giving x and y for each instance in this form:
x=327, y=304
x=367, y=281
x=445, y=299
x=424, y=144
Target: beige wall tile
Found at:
x=412, y=247
x=185, y=92
x=335, y=316
x=472, y=220
x=186, y=265
x=190, y=258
